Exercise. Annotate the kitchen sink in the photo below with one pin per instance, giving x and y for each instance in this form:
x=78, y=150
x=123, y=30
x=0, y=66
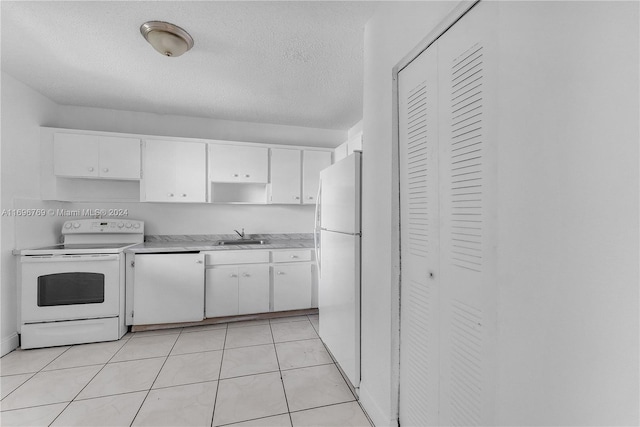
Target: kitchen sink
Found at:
x=241, y=242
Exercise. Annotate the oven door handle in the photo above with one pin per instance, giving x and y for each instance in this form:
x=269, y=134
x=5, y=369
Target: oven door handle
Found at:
x=68, y=258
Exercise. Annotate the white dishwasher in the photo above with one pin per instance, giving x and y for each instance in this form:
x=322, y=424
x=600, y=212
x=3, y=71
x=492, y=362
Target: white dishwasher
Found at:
x=168, y=288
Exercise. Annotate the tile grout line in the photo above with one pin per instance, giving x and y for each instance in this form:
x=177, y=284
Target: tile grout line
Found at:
x=224, y=345
x=284, y=390
x=88, y=382
x=33, y=374
x=155, y=379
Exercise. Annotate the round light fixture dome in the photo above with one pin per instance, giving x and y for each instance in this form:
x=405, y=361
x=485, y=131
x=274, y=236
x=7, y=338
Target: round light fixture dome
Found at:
x=166, y=38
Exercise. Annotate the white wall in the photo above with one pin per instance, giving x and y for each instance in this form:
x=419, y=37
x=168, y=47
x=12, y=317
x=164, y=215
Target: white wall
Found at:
x=569, y=194
x=569, y=197
x=394, y=30
x=23, y=111
x=100, y=119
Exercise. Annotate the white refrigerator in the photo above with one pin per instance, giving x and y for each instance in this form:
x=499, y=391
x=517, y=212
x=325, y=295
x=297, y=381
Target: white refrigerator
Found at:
x=338, y=253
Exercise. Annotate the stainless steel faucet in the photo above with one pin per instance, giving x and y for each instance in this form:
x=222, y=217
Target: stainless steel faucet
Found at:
x=240, y=234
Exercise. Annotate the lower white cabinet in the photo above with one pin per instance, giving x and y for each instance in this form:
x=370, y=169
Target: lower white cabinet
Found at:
x=257, y=281
x=237, y=289
x=168, y=288
x=291, y=286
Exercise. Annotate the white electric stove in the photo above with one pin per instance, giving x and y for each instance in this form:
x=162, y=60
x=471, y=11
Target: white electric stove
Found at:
x=73, y=292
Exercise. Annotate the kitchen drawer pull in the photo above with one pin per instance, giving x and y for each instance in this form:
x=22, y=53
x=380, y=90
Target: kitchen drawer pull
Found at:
x=235, y=175
x=170, y=194
x=294, y=256
x=90, y=169
x=247, y=176
x=184, y=194
x=233, y=275
x=246, y=275
x=280, y=273
x=105, y=170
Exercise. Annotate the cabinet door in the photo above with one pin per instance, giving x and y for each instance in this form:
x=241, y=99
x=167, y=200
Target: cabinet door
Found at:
x=237, y=163
x=191, y=172
x=291, y=286
x=75, y=155
x=159, y=171
x=222, y=291
x=312, y=163
x=285, y=176
x=119, y=157
x=168, y=288
x=253, y=289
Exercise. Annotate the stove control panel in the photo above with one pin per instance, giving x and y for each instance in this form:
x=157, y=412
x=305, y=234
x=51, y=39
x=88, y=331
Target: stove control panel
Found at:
x=95, y=226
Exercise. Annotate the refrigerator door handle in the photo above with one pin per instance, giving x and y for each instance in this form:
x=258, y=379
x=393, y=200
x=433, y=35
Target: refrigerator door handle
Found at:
x=316, y=231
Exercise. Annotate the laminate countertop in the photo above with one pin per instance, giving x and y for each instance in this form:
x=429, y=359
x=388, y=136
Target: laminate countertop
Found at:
x=190, y=243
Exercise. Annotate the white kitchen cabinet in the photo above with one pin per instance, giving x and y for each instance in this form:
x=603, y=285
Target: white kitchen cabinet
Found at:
x=253, y=289
x=312, y=163
x=291, y=286
x=285, y=167
x=221, y=291
x=174, y=171
x=237, y=283
x=168, y=288
x=295, y=175
x=292, y=279
x=79, y=155
x=238, y=163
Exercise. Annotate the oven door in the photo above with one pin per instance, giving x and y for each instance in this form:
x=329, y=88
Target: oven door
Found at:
x=69, y=287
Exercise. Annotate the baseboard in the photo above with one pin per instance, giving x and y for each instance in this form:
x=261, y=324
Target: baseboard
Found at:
x=9, y=344
x=375, y=413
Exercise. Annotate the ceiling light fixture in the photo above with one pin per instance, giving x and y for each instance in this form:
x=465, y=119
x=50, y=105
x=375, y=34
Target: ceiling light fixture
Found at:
x=166, y=38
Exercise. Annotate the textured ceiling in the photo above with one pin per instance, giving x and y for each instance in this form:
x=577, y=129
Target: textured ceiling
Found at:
x=291, y=63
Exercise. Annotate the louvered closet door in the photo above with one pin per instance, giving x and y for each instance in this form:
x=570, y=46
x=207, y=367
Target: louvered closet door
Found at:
x=418, y=139
x=467, y=72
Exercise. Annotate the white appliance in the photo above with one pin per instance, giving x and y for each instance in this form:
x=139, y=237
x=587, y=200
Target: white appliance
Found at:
x=338, y=255
x=73, y=292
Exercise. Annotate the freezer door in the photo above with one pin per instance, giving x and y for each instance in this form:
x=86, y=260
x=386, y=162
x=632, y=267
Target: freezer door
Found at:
x=339, y=300
x=340, y=195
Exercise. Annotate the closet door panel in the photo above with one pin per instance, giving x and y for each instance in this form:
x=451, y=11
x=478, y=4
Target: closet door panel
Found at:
x=467, y=71
x=418, y=139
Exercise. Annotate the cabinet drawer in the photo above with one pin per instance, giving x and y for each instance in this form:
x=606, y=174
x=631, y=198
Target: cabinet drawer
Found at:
x=291, y=256
x=236, y=257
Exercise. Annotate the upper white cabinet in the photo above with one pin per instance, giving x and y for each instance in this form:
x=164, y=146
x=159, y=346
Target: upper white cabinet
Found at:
x=285, y=176
x=174, y=171
x=312, y=163
x=238, y=163
x=295, y=175
x=79, y=155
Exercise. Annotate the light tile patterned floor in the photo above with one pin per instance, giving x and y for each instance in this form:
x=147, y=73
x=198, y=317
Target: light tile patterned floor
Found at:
x=257, y=373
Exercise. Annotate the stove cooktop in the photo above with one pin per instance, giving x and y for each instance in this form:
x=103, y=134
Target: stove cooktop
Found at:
x=78, y=248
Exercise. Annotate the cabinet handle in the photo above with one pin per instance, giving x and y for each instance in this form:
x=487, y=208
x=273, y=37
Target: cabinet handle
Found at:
x=105, y=170
x=184, y=194
x=90, y=169
x=247, y=176
x=235, y=175
x=296, y=197
x=280, y=273
x=170, y=194
x=294, y=256
x=246, y=275
x=233, y=275
x=199, y=261
x=310, y=197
